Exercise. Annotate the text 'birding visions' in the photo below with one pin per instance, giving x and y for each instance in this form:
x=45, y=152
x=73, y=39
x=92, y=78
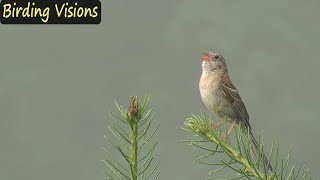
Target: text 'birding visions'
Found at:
x=50, y=12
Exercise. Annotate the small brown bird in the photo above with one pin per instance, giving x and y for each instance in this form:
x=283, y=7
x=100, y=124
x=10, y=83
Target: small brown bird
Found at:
x=220, y=96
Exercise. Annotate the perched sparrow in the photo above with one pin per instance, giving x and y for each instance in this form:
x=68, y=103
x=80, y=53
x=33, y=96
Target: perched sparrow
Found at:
x=221, y=96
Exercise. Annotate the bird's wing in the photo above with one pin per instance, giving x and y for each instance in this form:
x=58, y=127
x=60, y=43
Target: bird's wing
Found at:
x=232, y=95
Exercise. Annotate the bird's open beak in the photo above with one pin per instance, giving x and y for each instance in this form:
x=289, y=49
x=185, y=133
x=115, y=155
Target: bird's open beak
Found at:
x=205, y=57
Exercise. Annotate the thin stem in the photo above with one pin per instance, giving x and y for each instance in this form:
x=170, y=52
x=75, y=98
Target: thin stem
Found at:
x=134, y=151
x=129, y=130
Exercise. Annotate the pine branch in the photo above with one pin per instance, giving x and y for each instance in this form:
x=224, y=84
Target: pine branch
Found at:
x=239, y=158
x=131, y=129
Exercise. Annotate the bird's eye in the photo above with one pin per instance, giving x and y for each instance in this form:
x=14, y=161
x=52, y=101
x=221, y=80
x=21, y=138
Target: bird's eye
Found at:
x=216, y=56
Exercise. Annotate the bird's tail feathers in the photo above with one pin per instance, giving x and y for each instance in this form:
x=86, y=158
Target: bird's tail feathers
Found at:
x=256, y=151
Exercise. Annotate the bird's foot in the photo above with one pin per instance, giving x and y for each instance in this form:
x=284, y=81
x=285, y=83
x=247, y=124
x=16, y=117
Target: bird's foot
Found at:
x=224, y=138
x=215, y=126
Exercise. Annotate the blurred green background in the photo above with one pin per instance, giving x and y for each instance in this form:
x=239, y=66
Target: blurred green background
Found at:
x=58, y=81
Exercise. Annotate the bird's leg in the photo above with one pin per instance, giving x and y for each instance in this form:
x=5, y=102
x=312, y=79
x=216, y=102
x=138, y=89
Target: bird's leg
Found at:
x=215, y=126
x=229, y=131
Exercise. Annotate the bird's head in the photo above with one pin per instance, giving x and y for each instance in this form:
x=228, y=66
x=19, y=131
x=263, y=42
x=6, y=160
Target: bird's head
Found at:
x=213, y=62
